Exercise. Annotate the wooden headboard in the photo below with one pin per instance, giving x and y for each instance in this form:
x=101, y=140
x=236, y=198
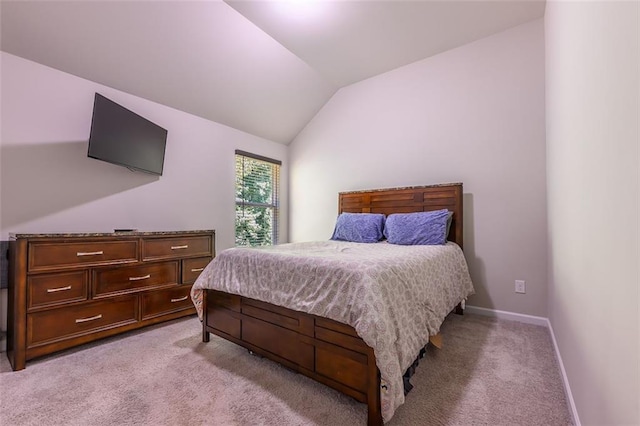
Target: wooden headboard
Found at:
x=407, y=200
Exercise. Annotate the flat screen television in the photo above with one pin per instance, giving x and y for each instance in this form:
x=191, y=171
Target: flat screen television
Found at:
x=122, y=137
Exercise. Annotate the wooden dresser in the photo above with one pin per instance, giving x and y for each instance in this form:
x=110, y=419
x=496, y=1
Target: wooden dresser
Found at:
x=70, y=289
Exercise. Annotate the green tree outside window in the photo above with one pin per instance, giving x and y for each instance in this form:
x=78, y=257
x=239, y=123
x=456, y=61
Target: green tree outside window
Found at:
x=257, y=202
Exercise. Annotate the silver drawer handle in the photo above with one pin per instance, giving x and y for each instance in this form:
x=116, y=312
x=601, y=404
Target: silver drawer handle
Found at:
x=53, y=290
x=89, y=253
x=179, y=247
x=79, y=320
x=197, y=270
x=179, y=300
x=139, y=278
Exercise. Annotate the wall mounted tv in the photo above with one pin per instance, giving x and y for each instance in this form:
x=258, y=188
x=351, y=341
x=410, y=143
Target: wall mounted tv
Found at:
x=122, y=137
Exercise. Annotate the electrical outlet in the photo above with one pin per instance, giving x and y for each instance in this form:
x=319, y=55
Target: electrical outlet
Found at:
x=520, y=286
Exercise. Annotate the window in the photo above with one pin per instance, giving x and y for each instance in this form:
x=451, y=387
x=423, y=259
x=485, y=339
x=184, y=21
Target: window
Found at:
x=257, y=199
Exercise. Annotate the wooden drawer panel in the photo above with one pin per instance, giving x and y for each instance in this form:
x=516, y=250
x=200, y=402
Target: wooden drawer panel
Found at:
x=272, y=317
x=285, y=343
x=47, y=256
x=112, y=281
x=343, y=366
x=162, y=302
x=162, y=248
x=191, y=269
x=76, y=320
x=229, y=301
x=340, y=339
x=283, y=317
x=55, y=289
x=336, y=326
x=225, y=321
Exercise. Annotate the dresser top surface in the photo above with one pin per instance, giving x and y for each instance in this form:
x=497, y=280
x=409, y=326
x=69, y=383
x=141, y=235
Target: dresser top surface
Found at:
x=15, y=236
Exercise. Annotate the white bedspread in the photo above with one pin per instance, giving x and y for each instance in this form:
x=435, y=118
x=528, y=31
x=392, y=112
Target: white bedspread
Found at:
x=394, y=296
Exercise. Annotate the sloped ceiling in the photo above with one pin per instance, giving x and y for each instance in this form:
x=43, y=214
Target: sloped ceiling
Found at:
x=348, y=41
x=263, y=67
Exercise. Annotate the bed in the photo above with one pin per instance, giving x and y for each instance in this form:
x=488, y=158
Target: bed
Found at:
x=347, y=326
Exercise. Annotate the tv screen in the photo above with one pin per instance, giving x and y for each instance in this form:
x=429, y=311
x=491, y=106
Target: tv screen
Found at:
x=122, y=137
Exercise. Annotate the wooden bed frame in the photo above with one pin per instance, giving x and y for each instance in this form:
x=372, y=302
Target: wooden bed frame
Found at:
x=322, y=349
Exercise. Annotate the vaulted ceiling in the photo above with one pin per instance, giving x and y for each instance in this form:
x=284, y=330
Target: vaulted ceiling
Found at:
x=264, y=67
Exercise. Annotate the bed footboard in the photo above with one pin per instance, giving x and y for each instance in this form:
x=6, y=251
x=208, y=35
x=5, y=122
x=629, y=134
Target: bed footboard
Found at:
x=322, y=349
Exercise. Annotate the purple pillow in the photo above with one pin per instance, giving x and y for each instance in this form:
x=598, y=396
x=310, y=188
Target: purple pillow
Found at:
x=421, y=228
x=359, y=227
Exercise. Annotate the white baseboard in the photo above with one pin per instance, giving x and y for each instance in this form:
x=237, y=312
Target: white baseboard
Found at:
x=511, y=316
x=565, y=379
x=530, y=319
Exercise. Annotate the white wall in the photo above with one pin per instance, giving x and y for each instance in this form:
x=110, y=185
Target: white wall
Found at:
x=593, y=114
x=48, y=184
x=475, y=115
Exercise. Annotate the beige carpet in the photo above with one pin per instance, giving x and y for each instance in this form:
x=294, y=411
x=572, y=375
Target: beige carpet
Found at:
x=489, y=372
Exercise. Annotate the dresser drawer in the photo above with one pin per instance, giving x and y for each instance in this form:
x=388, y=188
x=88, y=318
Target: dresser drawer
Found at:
x=76, y=320
x=166, y=301
x=55, y=289
x=162, y=248
x=47, y=256
x=191, y=269
x=113, y=281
